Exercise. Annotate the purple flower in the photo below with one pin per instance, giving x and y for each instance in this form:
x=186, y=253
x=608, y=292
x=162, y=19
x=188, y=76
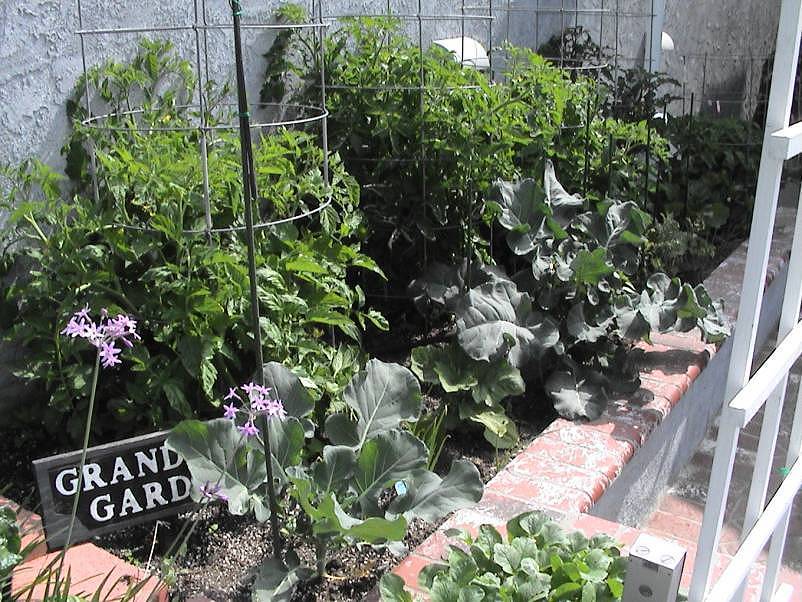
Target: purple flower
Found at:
x=212, y=492
x=248, y=429
x=103, y=334
x=275, y=409
x=231, y=411
x=232, y=394
x=108, y=354
x=74, y=328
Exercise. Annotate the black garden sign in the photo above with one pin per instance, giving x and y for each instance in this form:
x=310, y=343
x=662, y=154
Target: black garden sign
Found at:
x=125, y=483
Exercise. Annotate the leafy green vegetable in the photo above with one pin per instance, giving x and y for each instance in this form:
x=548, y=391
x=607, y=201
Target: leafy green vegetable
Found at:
x=536, y=560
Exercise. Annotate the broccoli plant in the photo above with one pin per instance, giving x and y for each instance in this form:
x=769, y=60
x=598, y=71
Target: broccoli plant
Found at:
x=365, y=486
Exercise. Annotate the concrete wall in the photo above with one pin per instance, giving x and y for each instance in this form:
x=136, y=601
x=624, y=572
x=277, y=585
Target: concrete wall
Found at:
x=40, y=53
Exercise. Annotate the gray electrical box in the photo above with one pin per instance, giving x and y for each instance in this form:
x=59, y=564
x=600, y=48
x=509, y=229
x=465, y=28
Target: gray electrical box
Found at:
x=655, y=570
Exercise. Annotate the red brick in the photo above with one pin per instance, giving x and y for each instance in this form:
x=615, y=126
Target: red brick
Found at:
x=545, y=468
x=582, y=436
x=605, y=461
x=502, y=507
x=90, y=569
x=688, y=341
x=659, y=406
x=622, y=429
x=433, y=546
x=592, y=525
x=410, y=567
x=541, y=494
x=660, y=388
x=674, y=527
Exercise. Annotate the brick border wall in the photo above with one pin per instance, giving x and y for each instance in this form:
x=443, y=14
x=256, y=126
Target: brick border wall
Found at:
x=90, y=568
x=567, y=469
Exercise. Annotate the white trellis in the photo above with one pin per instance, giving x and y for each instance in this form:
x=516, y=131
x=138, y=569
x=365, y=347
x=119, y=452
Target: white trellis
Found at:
x=746, y=393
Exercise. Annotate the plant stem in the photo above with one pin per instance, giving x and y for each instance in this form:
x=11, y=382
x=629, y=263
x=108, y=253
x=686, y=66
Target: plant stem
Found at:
x=81, y=464
x=320, y=556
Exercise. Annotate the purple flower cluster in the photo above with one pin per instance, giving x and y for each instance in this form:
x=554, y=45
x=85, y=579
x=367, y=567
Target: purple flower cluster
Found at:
x=258, y=401
x=104, y=334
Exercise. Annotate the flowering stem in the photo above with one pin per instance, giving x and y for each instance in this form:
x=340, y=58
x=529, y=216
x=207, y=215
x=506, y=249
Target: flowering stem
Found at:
x=82, y=463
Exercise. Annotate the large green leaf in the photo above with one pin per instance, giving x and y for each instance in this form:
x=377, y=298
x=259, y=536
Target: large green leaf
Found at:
x=382, y=396
x=216, y=453
x=444, y=365
x=289, y=389
x=576, y=397
x=563, y=205
x=449, y=367
x=387, y=458
x=523, y=212
x=496, y=321
x=500, y=429
x=287, y=444
x=276, y=582
x=590, y=267
x=581, y=329
x=441, y=284
x=496, y=381
x=430, y=497
x=391, y=589
x=328, y=517
x=341, y=430
x=334, y=468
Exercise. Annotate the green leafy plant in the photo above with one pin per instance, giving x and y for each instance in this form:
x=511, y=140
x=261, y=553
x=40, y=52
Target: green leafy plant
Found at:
x=129, y=251
x=566, y=320
x=10, y=549
x=536, y=560
x=342, y=492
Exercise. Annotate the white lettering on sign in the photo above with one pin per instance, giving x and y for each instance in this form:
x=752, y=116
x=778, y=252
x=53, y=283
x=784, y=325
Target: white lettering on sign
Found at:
x=92, y=477
x=153, y=494
x=73, y=472
x=108, y=509
x=151, y=462
x=129, y=504
x=121, y=472
x=174, y=481
x=167, y=453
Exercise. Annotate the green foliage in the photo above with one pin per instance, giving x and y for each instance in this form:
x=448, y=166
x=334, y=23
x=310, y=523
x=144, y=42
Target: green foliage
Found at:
x=128, y=251
x=10, y=547
x=536, y=560
x=426, y=137
x=707, y=185
x=566, y=321
x=343, y=492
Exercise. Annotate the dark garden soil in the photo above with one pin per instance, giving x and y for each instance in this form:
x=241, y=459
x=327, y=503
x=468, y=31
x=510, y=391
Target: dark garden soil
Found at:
x=222, y=553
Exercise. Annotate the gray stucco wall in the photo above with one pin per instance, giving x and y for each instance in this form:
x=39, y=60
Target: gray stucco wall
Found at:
x=40, y=58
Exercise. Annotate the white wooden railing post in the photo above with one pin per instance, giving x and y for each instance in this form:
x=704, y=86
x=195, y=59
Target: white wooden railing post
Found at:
x=780, y=143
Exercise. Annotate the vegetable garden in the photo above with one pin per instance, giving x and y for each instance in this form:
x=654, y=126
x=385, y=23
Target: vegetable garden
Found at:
x=478, y=252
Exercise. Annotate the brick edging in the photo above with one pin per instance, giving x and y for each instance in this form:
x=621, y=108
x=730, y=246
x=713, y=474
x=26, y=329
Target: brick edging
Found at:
x=89, y=567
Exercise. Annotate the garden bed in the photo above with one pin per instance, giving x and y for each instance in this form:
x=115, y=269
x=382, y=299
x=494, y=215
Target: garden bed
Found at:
x=570, y=469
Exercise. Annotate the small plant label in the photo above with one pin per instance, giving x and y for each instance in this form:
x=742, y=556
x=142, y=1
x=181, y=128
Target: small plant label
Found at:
x=124, y=483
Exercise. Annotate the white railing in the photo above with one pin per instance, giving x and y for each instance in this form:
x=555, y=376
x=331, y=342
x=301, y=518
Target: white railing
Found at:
x=747, y=394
